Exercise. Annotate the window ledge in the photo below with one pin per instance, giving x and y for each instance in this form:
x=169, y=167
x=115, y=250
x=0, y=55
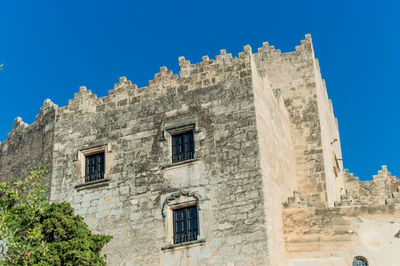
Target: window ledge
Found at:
x=93, y=184
x=194, y=243
x=188, y=162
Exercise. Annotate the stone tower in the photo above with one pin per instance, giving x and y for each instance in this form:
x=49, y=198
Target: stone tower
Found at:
x=235, y=161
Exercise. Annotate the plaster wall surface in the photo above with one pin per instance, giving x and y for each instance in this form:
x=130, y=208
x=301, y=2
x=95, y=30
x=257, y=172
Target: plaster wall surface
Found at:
x=335, y=236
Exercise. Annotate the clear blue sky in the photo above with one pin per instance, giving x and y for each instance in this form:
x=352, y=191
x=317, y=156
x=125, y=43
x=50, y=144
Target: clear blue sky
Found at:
x=50, y=48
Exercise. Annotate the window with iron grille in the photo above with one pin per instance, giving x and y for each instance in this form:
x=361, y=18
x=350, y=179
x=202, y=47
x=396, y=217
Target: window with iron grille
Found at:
x=94, y=167
x=360, y=261
x=185, y=225
x=182, y=147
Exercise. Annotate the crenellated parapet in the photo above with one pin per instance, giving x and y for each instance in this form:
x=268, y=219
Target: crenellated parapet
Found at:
x=19, y=125
x=223, y=57
x=305, y=45
x=83, y=102
x=164, y=78
x=267, y=51
x=382, y=189
x=20, y=128
x=384, y=175
x=47, y=107
x=212, y=68
x=82, y=99
x=124, y=86
x=28, y=146
x=206, y=73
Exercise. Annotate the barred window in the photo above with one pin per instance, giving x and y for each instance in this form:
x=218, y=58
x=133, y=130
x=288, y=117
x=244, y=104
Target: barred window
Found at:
x=360, y=261
x=185, y=225
x=182, y=147
x=94, y=167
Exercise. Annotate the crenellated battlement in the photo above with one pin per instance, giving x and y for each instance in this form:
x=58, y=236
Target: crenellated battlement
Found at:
x=124, y=86
x=28, y=146
x=204, y=73
x=20, y=128
x=191, y=76
x=82, y=98
x=164, y=78
x=268, y=50
x=186, y=69
x=382, y=189
x=208, y=72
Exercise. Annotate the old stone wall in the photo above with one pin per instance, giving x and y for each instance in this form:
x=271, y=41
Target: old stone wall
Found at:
x=335, y=236
x=132, y=125
x=276, y=157
x=330, y=141
x=382, y=189
x=266, y=172
x=296, y=75
x=28, y=146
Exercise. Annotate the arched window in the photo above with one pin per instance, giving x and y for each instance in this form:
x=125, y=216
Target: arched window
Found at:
x=360, y=261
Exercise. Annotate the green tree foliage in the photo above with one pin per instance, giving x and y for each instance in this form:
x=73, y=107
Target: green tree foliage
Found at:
x=36, y=232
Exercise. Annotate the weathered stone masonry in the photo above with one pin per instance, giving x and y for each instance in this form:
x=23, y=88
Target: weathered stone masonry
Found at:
x=267, y=165
x=28, y=146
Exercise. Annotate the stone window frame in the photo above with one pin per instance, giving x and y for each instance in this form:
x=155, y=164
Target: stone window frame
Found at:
x=185, y=236
x=178, y=127
x=81, y=165
x=94, y=167
x=176, y=133
x=175, y=201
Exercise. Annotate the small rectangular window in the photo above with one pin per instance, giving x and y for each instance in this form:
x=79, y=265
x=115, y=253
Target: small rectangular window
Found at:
x=185, y=225
x=182, y=147
x=94, y=167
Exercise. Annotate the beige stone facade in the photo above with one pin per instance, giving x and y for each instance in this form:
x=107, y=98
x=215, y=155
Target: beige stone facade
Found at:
x=266, y=177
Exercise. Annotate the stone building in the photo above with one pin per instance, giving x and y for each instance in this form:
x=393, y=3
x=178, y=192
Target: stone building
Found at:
x=236, y=161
